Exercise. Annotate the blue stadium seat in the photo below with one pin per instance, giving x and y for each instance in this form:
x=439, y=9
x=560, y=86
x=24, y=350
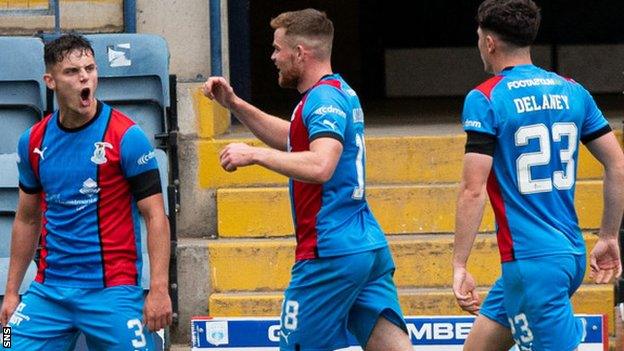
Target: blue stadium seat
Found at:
x=8, y=205
x=22, y=102
x=21, y=72
x=22, y=91
x=8, y=184
x=133, y=72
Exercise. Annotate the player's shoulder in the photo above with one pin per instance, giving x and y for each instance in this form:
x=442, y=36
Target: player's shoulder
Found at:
x=487, y=87
x=570, y=82
x=122, y=128
x=561, y=78
x=328, y=89
x=37, y=129
x=333, y=85
x=326, y=95
x=43, y=122
x=572, y=86
x=119, y=119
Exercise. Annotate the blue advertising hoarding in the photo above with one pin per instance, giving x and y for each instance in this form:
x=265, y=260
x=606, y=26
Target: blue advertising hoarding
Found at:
x=428, y=333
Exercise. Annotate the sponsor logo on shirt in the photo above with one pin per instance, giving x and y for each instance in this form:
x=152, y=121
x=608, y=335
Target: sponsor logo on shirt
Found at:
x=79, y=204
x=323, y=110
x=285, y=336
x=332, y=125
x=524, y=83
x=144, y=159
x=89, y=187
x=40, y=152
x=471, y=123
x=99, y=154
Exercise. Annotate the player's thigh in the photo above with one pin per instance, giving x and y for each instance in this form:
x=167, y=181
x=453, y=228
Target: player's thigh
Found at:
x=41, y=321
x=387, y=336
x=112, y=319
x=494, y=305
x=317, y=302
x=378, y=298
x=537, y=300
x=488, y=335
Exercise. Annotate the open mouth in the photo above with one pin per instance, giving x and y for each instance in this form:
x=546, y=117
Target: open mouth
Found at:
x=85, y=97
x=85, y=93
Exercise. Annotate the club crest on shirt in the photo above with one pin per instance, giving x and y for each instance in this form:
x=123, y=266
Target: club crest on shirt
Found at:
x=99, y=154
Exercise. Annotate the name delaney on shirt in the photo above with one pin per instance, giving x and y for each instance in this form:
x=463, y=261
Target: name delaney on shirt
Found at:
x=545, y=102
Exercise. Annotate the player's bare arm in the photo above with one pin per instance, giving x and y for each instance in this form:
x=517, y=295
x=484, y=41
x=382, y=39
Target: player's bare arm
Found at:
x=605, y=256
x=157, y=311
x=470, y=204
x=314, y=166
x=26, y=229
x=272, y=130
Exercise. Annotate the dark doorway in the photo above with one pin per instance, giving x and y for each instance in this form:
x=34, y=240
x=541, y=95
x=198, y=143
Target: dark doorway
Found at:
x=365, y=29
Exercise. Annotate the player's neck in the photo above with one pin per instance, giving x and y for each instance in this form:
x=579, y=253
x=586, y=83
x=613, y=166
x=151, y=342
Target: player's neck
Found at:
x=511, y=61
x=71, y=119
x=313, y=74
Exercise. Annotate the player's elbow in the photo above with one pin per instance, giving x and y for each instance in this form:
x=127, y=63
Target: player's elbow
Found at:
x=321, y=176
x=322, y=172
x=471, y=191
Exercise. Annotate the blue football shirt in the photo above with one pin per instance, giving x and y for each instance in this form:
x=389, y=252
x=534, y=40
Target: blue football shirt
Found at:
x=333, y=218
x=538, y=119
x=90, y=235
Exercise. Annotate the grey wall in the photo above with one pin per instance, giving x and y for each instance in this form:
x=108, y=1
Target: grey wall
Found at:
x=600, y=68
x=454, y=71
x=185, y=26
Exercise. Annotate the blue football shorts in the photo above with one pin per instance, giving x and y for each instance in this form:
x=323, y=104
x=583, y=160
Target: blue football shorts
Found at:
x=532, y=298
x=328, y=297
x=51, y=317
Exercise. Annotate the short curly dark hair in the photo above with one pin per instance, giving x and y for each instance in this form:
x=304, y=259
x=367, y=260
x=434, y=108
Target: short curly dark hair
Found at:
x=515, y=21
x=56, y=50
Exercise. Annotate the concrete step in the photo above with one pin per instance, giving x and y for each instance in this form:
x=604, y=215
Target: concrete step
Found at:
x=401, y=159
x=421, y=261
x=440, y=301
x=400, y=209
